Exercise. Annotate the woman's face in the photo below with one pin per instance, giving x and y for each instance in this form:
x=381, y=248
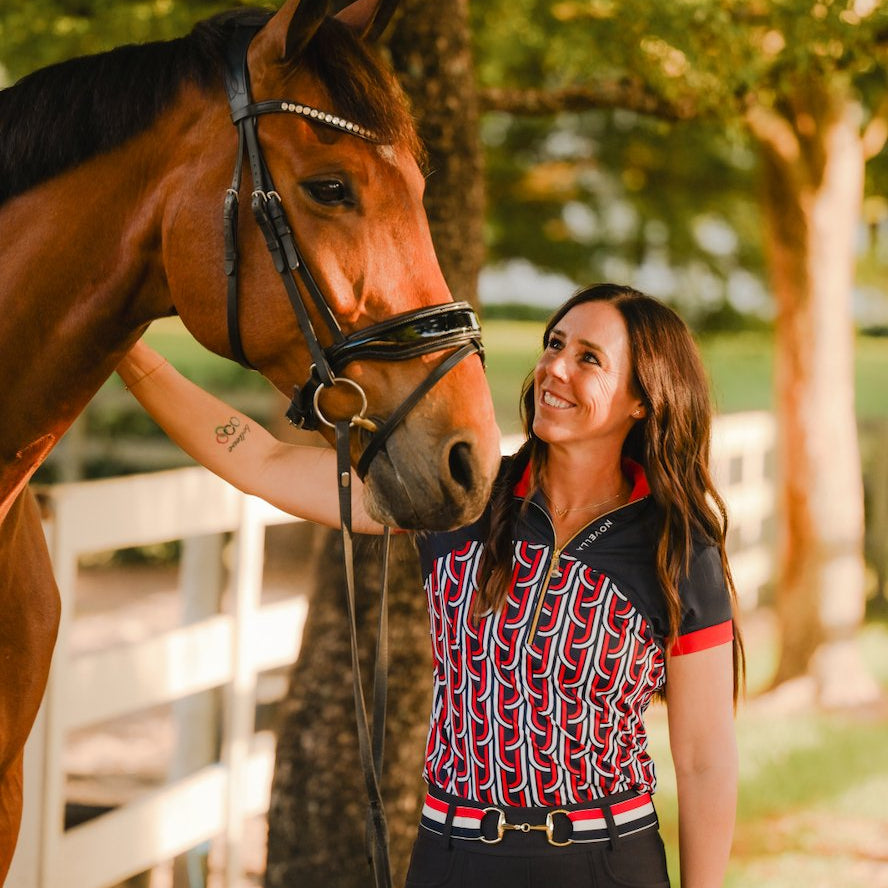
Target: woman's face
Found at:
x=583, y=380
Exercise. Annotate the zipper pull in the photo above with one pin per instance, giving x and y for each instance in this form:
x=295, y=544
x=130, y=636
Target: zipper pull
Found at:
x=556, y=565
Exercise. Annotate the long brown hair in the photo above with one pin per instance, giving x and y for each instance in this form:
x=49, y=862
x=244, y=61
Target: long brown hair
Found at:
x=671, y=442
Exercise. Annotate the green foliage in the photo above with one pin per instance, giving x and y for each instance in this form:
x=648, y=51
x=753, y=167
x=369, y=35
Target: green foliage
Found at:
x=35, y=33
x=713, y=53
x=600, y=194
x=508, y=311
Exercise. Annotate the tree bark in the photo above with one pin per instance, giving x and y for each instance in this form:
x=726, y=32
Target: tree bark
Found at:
x=431, y=51
x=318, y=801
x=813, y=176
x=316, y=818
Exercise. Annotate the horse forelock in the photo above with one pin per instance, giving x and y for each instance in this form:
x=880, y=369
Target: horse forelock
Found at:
x=360, y=85
x=59, y=116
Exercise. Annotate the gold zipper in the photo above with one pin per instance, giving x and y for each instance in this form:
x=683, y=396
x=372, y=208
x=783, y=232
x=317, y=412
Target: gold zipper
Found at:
x=556, y=557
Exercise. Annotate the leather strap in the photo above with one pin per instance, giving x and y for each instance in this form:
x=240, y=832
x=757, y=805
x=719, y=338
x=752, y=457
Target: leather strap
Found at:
x=370, y=747
x=380, y=436
x=424, y=331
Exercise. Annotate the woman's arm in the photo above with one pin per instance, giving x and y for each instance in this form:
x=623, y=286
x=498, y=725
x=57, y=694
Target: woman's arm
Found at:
x=297, y=479
x=699, y=697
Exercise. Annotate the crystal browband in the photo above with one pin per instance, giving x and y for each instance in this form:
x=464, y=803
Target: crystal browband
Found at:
x=276, y=106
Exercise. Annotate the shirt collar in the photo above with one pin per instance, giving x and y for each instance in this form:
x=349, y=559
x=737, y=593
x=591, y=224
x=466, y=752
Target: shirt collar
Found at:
x=633, y=471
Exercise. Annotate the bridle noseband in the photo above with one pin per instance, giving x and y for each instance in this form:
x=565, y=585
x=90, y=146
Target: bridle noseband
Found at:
x=399, y=338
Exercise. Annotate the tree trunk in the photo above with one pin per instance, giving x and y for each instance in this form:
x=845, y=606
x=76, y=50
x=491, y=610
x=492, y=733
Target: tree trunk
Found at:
x=431, y=52
x=813, y=162
x=316, y=819
x=318, y=803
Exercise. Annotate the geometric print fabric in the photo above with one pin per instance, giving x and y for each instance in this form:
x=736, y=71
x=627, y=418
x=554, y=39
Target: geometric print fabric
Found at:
x=542, y=703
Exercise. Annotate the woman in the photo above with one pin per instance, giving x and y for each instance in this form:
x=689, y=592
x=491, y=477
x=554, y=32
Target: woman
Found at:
x=597, y=570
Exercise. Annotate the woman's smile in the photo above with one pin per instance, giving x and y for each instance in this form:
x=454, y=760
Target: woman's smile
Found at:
x=551, y=400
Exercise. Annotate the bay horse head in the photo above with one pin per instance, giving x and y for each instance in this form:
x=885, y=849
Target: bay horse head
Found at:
x=352, y=306
x=124, y=224
x=113, y=170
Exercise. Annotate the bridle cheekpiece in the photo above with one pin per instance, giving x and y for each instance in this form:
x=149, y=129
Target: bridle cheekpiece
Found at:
x=402, y=337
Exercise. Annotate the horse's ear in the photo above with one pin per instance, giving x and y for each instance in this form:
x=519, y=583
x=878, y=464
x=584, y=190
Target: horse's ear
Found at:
x=368, y=17
x=294, y=24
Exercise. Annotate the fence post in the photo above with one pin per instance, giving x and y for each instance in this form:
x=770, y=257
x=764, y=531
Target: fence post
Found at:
x=28, y=860
x=201, y=580
x=241, y=708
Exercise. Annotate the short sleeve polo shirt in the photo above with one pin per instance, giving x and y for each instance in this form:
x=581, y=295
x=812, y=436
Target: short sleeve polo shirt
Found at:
x=542, y=703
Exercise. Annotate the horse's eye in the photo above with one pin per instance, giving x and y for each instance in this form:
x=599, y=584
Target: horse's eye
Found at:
x=329, y=192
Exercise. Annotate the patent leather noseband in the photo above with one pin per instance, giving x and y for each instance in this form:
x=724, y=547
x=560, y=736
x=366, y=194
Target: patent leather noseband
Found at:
x=449, y=326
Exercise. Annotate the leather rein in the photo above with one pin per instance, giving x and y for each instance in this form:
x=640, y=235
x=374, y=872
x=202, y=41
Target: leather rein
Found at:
x=449, y=326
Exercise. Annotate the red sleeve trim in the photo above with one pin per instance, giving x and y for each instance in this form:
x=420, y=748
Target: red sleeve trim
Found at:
x=702, y=639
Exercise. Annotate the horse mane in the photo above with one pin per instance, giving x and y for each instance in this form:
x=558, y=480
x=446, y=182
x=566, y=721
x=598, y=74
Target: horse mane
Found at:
x=57, y=117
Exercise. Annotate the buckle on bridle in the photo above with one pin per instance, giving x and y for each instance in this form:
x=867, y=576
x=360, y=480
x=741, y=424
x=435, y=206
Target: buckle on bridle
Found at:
x=358, y=419
x=306, y=417
x=502, y=825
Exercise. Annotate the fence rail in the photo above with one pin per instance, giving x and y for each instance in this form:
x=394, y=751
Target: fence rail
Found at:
x=220, y=650
x=223, y=650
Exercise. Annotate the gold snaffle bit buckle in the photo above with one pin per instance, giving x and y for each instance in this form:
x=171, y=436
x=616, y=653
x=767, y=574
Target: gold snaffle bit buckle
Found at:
x=548, y=827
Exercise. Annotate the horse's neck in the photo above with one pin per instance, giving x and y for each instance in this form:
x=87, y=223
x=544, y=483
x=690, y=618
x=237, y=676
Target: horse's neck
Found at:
x=80, y=276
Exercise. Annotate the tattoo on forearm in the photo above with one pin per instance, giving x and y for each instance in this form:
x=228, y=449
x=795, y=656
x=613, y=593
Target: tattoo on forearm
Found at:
x=231, y=434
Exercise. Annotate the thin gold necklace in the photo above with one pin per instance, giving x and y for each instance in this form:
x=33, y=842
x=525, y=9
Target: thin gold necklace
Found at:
x=562, y=512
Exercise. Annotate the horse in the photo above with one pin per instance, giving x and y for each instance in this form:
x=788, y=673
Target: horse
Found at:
x=113, y=173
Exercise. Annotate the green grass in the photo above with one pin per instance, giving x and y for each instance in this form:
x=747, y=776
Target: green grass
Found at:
x=176, y=344
x=512, y=348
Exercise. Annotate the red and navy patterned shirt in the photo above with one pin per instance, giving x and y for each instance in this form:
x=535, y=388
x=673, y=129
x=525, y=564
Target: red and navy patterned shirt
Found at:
x=542, y=703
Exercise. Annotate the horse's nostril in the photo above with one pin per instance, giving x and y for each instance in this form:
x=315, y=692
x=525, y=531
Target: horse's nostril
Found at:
x=460, y=463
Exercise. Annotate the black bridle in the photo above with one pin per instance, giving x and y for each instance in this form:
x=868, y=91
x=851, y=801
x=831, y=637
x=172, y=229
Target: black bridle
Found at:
x=450, y=326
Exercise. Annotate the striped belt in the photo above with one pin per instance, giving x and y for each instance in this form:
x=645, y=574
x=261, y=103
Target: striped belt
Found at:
x=595, y=822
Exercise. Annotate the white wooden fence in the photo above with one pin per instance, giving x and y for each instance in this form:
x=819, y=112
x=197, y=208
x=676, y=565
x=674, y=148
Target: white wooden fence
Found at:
x=225, y=650
x=743, y=460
